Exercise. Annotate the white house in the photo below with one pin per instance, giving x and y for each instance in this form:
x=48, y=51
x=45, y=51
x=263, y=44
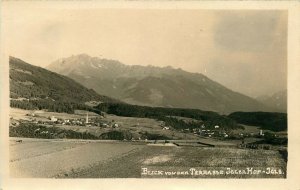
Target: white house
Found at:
x=53, y=118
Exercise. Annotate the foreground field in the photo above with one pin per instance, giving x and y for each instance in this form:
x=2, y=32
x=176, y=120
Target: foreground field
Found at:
x=112, y=159
x=45, y=158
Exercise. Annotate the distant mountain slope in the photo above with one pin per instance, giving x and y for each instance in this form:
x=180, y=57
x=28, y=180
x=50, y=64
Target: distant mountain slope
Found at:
x=153, y=86
x=277, y=100
x=34, y=87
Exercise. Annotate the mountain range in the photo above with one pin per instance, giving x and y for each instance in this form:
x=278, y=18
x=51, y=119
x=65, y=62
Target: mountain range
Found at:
x=154, y=86
x=278, y=100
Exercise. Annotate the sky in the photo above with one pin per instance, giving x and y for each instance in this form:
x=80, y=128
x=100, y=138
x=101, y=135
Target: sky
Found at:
x=244, y=50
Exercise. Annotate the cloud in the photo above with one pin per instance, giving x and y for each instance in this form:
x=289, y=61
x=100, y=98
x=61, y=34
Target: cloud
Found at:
x=249, y=48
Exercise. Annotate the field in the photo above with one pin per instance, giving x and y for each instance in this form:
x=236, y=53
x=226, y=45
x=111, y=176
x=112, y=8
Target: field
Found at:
x=45, y=158
x=112, y=159
x=18, y=114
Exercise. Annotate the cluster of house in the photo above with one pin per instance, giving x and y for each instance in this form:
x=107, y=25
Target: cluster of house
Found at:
x=216, y=131
x=88, y=122
x=78, y=121
x=203, y=131
x=252, y=134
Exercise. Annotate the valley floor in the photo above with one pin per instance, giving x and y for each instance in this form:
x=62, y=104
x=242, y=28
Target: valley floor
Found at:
x=45, y=158
x=177, y=158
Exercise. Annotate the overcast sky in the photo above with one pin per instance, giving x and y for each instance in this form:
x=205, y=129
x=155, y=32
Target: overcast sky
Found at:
x=244, y=50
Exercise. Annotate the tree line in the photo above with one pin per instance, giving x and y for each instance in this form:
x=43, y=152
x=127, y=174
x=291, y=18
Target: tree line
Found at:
x=54, y=106
x=265, y=120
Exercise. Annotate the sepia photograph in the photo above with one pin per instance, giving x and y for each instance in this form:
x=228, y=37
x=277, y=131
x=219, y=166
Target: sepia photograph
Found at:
x=160, y=93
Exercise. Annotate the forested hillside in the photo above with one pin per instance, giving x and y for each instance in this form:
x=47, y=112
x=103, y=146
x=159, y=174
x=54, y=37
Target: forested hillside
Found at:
x=265, y=120
x=32, y=87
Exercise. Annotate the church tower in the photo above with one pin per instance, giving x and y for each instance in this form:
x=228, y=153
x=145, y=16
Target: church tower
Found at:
x=87, y=118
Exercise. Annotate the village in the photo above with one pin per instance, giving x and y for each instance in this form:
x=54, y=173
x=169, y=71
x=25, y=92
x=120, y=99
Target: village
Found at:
x=106, y=122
